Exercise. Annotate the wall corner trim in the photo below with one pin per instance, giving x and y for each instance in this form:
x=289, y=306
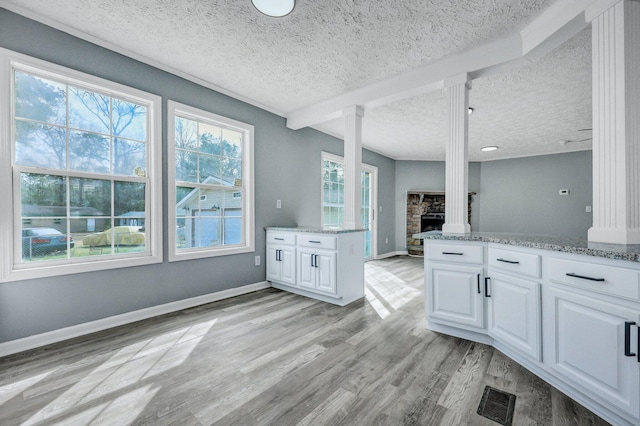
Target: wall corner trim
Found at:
x=31, y=342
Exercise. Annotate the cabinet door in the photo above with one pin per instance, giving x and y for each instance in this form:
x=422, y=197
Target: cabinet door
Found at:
x=514, y=313
x=454, y=294
x=306, y=269
x=586, y=340
x=288, y=265
x=326, y=266
x=273, y=266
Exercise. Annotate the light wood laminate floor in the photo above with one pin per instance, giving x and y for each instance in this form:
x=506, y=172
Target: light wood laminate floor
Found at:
x=274, y=358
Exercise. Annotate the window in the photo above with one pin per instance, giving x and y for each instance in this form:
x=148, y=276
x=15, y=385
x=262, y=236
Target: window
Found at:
x=211, y=181
x=84, y=167
x=333, y=198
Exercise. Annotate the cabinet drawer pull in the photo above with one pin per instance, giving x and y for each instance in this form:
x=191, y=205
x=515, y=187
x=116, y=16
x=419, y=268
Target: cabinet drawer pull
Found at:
x=315, y=242
x=316, y=262
x=277, y=255
x=627, y=338
x=453, y=253
x=279, y=239
x=513, y=262
x=486, y=287
x=313, y=258
x=571, y=274
x=479, y=291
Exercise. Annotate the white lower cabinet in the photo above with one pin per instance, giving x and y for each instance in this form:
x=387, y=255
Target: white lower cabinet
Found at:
x=317, y=270
x=514, y=313
x=281, y=263
x=572, y=319
x=324, y=266
x=454, y=295
x=590, y=343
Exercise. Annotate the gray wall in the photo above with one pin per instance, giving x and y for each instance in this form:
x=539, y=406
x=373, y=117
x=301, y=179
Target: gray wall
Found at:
x=521, y=195
x=515, y=195
x=287, y=167
x=428, y=176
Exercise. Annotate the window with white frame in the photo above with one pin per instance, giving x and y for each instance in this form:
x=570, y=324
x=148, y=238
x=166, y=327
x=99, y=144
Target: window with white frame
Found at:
x=84, y=163
x=211, y=181
x=333, y=197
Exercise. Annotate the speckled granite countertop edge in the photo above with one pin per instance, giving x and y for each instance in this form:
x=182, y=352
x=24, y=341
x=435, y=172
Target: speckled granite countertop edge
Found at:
x=312, y=230
x=546, y=242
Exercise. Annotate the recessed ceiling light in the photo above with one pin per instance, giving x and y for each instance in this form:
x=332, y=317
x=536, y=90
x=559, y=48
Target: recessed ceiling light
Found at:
x=488, y=148
x=470, y=111
x=274, y=8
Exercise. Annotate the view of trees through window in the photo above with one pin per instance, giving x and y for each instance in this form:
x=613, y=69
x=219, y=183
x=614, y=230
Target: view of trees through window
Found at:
x=209, y=184
x=82, y=158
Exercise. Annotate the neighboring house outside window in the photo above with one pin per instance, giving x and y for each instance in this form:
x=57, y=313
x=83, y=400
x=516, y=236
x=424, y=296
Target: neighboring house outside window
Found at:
x=82, y=156
x=211, y=181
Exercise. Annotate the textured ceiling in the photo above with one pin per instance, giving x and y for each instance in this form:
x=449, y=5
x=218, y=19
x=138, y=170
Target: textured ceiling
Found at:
x=526, y=111
x=326, y=48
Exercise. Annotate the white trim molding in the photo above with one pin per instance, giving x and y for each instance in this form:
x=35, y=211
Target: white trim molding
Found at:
x=55, y=336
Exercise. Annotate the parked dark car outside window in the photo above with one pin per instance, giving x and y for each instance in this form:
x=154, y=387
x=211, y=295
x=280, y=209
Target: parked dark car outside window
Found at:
x=39, y=241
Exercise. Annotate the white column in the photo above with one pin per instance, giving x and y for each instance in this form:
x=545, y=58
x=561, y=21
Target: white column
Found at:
x=352, y=167
x=615, y=28
x=456, y=217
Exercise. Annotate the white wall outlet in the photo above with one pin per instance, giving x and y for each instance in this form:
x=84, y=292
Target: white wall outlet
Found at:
x=563, y=192
x=587, y=209
x=380, y=207
x=386, y=240
x=278, y=204
x=257, y=260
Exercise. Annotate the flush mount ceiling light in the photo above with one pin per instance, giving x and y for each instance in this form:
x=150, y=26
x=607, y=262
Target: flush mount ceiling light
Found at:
x=274, y=8
x=488, y=148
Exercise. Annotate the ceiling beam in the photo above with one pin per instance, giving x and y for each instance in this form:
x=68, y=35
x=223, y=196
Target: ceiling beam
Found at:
x=556, y=25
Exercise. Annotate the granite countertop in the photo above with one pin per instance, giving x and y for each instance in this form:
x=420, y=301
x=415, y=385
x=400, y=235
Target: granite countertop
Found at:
x=313, y=229
x=545, y=242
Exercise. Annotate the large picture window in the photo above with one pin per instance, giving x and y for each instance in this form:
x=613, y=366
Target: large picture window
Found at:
x=84, y=171
x=211, y=181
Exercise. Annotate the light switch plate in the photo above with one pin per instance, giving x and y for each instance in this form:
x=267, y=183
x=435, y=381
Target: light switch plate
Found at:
x=278, y=204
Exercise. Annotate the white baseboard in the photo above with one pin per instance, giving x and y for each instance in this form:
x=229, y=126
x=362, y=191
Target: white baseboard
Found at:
x=391, y=254
x=55, y=336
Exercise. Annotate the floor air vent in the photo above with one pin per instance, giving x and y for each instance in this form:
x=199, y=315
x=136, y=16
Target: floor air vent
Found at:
x=497, y=405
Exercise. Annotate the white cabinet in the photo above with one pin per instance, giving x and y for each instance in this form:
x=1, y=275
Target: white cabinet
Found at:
x=455, y=286
x=324, y=266
x=573, y=320
x=317, y=270
x=514, y=301
x=586, y=342
x=514, y=313
x=281, y=258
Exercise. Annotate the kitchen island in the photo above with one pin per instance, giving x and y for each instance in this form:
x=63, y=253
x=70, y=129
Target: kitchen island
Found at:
x=563, y=308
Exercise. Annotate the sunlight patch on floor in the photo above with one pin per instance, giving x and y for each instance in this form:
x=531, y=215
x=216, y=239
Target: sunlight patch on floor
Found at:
x=385, y=291
x=14, y=389
x=129, y=367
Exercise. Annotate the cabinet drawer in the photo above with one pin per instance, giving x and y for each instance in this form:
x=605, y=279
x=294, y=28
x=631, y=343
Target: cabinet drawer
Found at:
x=455, y=253
x=317, y=241
x=288, y=238
x=526, y=264
x=608, y=280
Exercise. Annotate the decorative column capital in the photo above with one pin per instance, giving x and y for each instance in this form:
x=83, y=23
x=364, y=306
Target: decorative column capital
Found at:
x=357, y=110
x=458, y=80
x=598, y=7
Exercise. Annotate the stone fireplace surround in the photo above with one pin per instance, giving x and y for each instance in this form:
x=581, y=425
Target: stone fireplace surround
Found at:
x=420, y=203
